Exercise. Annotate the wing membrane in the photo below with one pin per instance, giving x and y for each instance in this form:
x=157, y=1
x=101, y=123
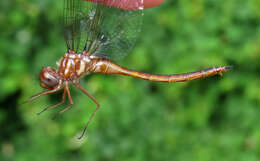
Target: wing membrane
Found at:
x=104, y=27
x=72, y=15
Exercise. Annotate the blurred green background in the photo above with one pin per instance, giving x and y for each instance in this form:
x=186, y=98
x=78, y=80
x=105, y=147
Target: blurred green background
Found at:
x=214, y=119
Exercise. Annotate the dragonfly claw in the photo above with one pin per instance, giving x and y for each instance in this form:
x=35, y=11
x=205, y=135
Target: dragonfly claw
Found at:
x=42, y=111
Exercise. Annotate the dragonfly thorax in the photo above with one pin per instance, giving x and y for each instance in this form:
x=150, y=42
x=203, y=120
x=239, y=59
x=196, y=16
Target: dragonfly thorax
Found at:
x=73, y=65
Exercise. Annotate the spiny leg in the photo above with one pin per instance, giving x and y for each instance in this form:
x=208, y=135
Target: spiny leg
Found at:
x=93, y=114
x=53, y=106
x=70, y=99
x=42, y=94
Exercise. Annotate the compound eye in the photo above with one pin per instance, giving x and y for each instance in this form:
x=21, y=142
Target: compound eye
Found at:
x=50, y=82
x=48, y=79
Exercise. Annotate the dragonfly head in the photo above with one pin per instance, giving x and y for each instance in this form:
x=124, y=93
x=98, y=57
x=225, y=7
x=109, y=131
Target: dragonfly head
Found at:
x=49, y=78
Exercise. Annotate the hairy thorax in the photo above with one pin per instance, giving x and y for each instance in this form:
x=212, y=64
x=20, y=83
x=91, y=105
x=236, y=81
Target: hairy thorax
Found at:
x=73, y=65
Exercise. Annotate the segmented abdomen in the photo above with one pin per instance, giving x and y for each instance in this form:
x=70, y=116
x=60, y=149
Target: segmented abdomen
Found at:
x=106, y=66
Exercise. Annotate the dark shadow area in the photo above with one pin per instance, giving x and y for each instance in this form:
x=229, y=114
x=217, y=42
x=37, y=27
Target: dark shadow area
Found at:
x=13, y=122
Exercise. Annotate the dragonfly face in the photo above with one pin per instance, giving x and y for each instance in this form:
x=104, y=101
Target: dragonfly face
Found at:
x=49, y=78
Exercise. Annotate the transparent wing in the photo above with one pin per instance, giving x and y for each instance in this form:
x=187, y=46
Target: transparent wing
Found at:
x=105, y=27
x=72, y=16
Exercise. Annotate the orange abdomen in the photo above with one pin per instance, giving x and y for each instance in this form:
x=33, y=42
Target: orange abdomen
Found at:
x=106, y=66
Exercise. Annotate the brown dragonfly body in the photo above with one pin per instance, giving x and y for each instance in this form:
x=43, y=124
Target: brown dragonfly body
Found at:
x=72, y=66
x=101, y=28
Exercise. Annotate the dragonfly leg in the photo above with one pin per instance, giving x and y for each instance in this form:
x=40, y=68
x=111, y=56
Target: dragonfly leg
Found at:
x=93, y=114
x=53, y=106
x=70, y=99
x=42, y=94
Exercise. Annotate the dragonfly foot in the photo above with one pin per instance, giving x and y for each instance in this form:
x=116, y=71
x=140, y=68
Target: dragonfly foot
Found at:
x=82, y=134
x=43, y=110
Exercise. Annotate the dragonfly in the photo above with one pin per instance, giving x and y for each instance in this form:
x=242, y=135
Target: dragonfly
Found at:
x=98, y=32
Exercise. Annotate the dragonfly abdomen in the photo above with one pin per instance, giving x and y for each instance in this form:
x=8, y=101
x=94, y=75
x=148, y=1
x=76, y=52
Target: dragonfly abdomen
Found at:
x=106, y=66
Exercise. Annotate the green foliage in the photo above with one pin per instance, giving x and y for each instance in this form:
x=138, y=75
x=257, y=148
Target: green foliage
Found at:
x=211, y=119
